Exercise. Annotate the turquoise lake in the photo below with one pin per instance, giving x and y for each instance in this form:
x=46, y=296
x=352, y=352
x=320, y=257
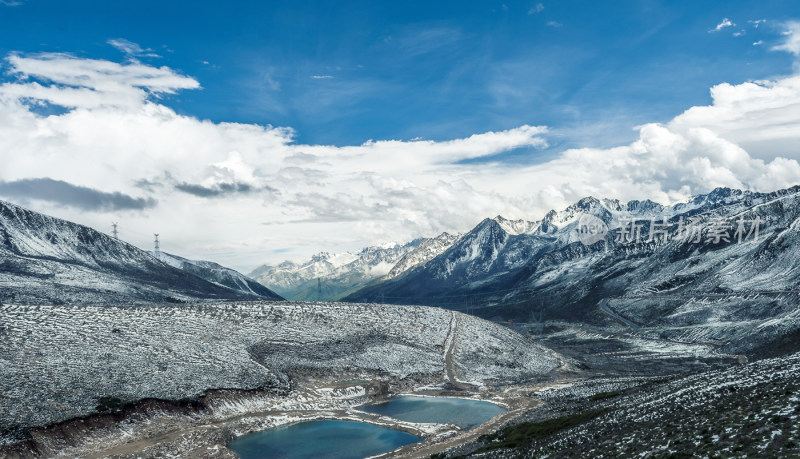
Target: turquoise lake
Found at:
x=321, y=439
x=462, y=412
x=356, y=440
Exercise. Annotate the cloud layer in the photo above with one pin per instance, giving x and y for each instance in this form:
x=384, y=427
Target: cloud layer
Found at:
x=243, y=194
x=77, y=197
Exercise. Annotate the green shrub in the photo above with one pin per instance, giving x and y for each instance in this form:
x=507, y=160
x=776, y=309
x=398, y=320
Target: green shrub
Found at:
x=604, y=395
x=524, y=433
x=109, y=404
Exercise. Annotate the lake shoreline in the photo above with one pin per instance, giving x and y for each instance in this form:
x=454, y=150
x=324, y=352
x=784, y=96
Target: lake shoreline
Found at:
x=208, y=426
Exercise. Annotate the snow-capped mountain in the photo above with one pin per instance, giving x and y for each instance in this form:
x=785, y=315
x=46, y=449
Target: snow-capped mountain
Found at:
x=45, y=260
x=474, y=257
x=427, y=250
x=328, y=276
x=515, y=226
x=218, y=274
x=707, y=258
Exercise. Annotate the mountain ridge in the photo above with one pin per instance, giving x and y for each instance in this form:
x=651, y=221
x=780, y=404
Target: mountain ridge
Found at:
x=218, y=274
x=47, y=260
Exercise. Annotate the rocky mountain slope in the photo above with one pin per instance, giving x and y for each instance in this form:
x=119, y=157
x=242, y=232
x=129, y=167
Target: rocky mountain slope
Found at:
x=45, y=260
x=60, y=362
x=427, y=250
x=218, y=274
x=747, y=410
x=330, y=276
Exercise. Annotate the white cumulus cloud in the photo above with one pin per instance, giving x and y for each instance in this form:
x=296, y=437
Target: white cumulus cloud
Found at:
x=723, y=24
x=791, y=42
x=537, y=8
x=131, y=49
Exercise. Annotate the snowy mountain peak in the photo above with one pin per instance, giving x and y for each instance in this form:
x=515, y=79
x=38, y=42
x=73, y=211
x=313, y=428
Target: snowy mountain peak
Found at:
x=556, y=221
x=384, y=246
x=723, y=194
x=644, y=207
x=588, y=203
x=427, y=250
x=515, y=227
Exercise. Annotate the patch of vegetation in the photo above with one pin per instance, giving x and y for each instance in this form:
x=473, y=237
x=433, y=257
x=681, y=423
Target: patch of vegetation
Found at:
x=170, y=299
x=186, y=401
x=350, y=382
x=604, y=395
x=526, y=432
x=109, y=404
x=14, y=431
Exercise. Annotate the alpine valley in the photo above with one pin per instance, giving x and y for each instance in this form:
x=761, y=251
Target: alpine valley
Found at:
x=606, y=329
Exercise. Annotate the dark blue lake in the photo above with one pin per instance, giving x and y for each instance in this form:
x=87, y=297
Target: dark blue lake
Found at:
x=321, y=439
x=462, y=412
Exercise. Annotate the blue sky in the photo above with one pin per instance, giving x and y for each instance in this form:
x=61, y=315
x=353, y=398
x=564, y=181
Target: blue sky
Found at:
x=437, y=70
x=250, y=132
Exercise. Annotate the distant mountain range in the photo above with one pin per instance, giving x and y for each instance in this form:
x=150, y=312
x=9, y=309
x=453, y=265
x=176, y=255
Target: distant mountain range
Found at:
x=721, y=263
x=45, y=260
x=513, y=269
x=330, y=276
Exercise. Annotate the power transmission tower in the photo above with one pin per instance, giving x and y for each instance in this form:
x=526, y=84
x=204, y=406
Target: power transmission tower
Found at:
x=156, y=242
x=319, y=289
x=114, y=230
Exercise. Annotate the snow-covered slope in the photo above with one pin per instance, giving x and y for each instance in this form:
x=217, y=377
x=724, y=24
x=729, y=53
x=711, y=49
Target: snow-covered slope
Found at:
x=59, y=361
x=515, y=226
x=744, y=411
x=218, y=274
x=45, y=260
x=427, y=250
x=328, y=276
x=497, y=270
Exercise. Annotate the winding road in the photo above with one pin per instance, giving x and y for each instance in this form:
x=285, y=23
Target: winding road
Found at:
x=449, y=364
x=604, y=307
